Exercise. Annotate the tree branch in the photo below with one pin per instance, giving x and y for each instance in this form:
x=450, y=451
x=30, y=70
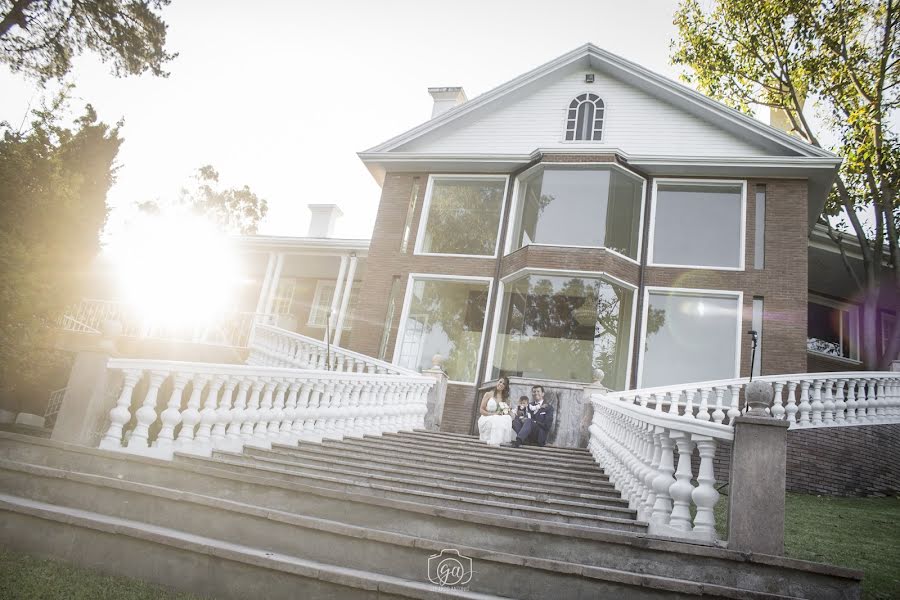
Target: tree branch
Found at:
x=15, y=16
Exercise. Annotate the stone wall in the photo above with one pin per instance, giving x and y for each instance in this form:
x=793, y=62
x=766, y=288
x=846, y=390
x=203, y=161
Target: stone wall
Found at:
x=836, y=461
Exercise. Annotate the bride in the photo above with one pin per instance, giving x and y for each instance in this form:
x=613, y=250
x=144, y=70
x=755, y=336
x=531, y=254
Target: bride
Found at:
x=493, y=427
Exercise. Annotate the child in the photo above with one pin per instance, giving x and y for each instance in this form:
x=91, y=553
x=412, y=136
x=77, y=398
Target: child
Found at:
x=521, y=413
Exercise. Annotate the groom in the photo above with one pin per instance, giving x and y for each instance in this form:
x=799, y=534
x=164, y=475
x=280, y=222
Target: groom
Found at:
x=535, y=427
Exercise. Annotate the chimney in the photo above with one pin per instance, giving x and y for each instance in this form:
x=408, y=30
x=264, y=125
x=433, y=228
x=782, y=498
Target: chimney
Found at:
x=322, y=219
x=446, y=98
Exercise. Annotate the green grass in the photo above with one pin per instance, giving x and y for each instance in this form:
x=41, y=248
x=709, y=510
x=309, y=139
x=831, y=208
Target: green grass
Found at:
x=859, y=533
x=26, y=577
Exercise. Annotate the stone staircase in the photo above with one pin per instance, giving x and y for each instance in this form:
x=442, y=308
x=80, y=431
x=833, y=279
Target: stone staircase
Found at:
x=360, y=518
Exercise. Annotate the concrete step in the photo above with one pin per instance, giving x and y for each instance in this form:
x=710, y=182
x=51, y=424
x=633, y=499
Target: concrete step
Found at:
x=396, y=488
x=635, y=553
x=615, y=507
x=439, y=440
x=513, y=472
x=197, y=564
x=474, y=458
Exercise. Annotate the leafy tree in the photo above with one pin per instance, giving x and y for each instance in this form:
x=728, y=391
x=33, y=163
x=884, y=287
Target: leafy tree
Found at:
x=52, y=208
x=41, y=37
x=771, y=53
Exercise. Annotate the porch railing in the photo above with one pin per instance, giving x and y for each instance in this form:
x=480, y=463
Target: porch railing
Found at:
x=218, y=406
x=276, y=347
x=637, y=435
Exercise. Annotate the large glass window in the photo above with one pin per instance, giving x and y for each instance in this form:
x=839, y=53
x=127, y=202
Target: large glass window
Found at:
x=588, y=206
x=561, y=327
x=689, y=337
x=833, y=329
x=447, y=318
x=698, y=225
x=463, y=215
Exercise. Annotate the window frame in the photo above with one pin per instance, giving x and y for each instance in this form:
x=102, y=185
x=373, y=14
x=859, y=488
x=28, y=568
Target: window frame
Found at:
x=565, y=120
x=407, y=300
x=514, y=209
x=498, y=308
x=883, y=317
x=854, y=313
x=651, y=262
x=426, y=207
x=736, y=294
x=314, y=306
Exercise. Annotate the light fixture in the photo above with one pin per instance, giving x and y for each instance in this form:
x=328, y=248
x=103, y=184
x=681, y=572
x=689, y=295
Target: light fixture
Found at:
x=589, y=78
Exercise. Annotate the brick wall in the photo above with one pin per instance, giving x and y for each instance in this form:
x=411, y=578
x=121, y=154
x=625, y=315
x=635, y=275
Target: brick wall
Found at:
x=861, y=460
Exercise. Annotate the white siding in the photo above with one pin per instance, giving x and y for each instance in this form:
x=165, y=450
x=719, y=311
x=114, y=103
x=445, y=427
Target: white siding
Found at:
x=634, y=122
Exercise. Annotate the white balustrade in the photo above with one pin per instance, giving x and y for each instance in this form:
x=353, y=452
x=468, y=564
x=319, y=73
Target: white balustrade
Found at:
x=158, y=410
x=276, y=347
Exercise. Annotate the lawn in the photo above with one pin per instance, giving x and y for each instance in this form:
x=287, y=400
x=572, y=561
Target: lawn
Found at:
x=860, y=533
x=27, y=577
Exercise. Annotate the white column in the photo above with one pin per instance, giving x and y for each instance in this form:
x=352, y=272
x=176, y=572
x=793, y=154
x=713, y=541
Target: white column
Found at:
x=336, y=297
x=267, y=280
x=345, y=301
x=273, y=287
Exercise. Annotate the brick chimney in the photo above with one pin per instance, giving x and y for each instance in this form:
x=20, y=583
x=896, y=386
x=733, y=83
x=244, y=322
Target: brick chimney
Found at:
x=322, y=219
x=446, y=98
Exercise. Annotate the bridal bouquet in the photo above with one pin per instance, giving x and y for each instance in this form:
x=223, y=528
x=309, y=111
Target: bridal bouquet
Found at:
x=503, y=408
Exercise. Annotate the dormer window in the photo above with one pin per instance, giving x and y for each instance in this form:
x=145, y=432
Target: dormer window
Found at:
x=585, y=118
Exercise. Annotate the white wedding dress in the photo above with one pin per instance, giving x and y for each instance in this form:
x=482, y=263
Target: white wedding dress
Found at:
x=495, y=429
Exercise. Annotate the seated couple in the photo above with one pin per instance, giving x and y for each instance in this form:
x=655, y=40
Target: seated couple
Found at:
x=500, y=423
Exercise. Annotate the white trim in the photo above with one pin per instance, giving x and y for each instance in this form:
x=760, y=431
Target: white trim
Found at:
x=426, y=206
x=514, y=208
x=404, y=314
x=692, y=181
x=565, y=123
x=672, y=291
x=498, y=307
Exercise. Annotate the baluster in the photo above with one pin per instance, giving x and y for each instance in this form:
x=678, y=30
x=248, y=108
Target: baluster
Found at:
x=277, y=413
x=302, y=414
x=733, y=410
x=250, y=414
x=703, y=411
x=791, y=408
x=312, y=426
x=329, y=411
x=817, y=405
x=689, y=403
x=778, y=402
x=840, y=406
x=805, y=406
x=171, y=416
x=882, y=401
x=705, y=495
x=234, y=432
x=217, y=412
x=673, y=403
x=146, y=414
x=653, y=472
x=657, y=403
x=682, y=489
x=719, y=414
x=828, y=403
x=852, y=404
x=265, y=413
x=290, y=413
x=191, y=415
x=121, y=413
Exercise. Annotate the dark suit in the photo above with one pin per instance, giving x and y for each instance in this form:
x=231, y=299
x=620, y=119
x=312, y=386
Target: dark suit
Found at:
x=537, y=428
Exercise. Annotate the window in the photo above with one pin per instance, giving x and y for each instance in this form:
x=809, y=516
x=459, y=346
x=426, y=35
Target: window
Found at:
x=584, y=121
x=318, y=312
x=410, y=210
x=559, y=326
x=690, y=335
x=759, y=243
x=833, y=329
x=283, y=302
x=698, y=224
x=446, y=317
x=461, y=215
x=389, y=317
x=587, y=206
x=888, y=322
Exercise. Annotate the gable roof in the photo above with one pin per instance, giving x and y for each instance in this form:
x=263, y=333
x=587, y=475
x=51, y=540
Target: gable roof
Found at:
x=593, y=57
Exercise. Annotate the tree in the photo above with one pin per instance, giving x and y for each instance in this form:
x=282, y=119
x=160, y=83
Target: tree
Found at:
x=771, y=53
x=52, y=208
x=40, y=38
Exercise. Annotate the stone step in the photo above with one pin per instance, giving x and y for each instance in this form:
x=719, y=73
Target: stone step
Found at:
x=421, y=434
x=391, y=487
x=197, y=564
x=505, y=455
x=313, y=542
x=615, y=507
x=377, y=448
x=637, y=553
x=528, y=451
x=519, y=471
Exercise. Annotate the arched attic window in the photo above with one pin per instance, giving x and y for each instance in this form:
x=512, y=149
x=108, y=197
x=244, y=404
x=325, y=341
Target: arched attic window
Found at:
x=585, y=118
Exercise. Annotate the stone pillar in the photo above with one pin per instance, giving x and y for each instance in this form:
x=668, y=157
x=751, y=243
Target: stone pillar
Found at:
x=436, y=395
x=757, y=483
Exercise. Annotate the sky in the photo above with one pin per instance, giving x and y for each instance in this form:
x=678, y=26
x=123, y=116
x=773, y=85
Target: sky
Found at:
x=280, y=96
